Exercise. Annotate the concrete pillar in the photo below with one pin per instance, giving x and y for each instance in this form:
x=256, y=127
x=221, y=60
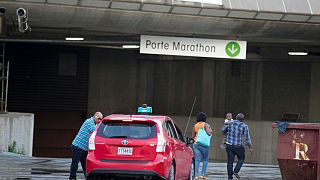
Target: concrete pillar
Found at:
x=208, y=85
x=314, y=113
x=220, y=89
x=145, y=82
x=171, y=88
x=256, y=83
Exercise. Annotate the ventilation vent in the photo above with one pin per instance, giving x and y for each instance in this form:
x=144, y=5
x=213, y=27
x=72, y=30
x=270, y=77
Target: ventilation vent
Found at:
x=290, y=116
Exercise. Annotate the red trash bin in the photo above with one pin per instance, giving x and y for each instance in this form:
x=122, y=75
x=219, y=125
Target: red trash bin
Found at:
x=298, y=151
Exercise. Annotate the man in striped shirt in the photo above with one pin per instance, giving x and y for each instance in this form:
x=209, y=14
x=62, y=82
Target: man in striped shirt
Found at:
x=235, y=132
x=80, y=144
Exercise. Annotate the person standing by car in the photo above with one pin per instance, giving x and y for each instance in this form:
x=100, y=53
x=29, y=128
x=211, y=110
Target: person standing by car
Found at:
x=199, y=150
x=235, y=131
x=80, y=144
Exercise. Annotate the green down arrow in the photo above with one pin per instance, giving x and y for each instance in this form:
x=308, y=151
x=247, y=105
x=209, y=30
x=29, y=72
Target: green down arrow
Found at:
x=233, y=49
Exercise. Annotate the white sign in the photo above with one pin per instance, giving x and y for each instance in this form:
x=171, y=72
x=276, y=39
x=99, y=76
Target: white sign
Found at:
x=218, y=2
x=213, y=48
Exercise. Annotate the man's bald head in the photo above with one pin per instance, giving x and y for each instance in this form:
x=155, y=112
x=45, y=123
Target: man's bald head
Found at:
x=97, y=117
x=240, y=117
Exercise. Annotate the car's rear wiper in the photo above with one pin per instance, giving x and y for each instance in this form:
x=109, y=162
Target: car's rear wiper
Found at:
x=118, y=137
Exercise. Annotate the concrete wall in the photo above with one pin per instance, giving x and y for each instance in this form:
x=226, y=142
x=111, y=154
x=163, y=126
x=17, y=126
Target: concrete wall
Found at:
x=17, y=127
x=286, y=88
x=112, y=81
x=264, y=139
x=262, y=87
x=121, y=80
x=314, y=113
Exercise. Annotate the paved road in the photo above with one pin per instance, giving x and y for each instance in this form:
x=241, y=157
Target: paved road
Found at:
x=14, y=166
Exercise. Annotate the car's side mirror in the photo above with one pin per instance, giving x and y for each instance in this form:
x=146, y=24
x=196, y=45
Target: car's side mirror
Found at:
x=190, y=141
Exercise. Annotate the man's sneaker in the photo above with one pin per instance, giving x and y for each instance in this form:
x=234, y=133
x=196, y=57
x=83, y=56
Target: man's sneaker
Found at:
x=203, y=177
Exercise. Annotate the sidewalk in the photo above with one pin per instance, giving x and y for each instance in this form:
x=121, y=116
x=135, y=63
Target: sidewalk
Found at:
x=14, y=166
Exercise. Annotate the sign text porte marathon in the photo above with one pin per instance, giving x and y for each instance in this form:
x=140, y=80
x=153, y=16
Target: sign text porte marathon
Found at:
x=193, y=47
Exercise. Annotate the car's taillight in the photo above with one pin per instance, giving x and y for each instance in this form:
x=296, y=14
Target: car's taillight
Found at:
x=91, y=141
x=161, y=146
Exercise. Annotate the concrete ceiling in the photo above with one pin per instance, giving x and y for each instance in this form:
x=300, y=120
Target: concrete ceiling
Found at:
x=53, y=22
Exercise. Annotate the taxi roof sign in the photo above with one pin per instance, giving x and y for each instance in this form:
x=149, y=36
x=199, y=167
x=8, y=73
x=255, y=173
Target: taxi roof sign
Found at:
x=145, y=109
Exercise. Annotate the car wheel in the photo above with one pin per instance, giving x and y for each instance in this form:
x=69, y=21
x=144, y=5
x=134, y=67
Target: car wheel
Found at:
x=171, y=173
x=90, y=178
x=94, y=177
x=191, y=171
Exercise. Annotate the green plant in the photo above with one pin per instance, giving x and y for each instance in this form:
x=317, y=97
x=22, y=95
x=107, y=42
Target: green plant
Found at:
x=12, y=147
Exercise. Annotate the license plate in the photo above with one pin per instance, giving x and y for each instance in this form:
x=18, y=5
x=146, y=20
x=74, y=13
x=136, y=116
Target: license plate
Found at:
x=125, y=151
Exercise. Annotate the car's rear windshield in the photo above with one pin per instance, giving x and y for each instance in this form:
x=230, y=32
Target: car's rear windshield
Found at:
x=127, y=130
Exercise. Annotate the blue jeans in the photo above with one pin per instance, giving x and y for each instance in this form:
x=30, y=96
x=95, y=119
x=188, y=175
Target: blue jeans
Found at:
x=233, y=151
x=78, y=155
x=200, y=151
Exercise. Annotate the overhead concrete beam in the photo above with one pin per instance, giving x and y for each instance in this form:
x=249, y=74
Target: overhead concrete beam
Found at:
x=206, y=22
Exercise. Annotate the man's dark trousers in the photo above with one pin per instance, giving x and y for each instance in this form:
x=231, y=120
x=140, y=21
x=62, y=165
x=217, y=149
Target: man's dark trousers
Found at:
x=233, y=151
x=77, y=155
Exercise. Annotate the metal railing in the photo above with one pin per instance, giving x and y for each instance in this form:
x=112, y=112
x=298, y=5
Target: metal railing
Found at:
x=4, y=67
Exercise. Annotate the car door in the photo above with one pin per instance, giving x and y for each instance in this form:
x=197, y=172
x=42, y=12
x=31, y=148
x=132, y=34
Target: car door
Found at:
x=185, y=153
x=178, y=150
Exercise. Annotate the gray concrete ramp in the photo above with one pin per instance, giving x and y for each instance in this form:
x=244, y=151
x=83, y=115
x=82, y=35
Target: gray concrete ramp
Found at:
x=14, y=166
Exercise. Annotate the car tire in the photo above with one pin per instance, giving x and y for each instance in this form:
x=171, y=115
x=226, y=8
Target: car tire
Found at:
x=172, y=172
x=94, y=177
x=191, y=171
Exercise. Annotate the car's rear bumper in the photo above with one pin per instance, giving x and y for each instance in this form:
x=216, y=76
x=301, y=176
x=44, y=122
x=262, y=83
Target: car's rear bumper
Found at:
x=156, y=168
x=129, y=173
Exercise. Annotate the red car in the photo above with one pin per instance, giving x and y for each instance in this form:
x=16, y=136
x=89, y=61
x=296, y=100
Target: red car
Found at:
x=139, y=147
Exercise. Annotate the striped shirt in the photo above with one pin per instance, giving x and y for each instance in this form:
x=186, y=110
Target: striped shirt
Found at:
x=82, y=138
x=235, y=132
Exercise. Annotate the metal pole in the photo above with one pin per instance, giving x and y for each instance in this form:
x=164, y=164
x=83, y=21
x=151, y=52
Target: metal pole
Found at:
x=194, y=102
x=7, y=87
x=2, y=77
